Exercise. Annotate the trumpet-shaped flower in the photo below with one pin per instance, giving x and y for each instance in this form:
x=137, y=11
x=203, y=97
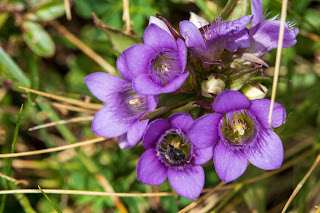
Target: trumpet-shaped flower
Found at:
x=169, y=154
x=123, y=108
x=239, y=132
x=158, y=65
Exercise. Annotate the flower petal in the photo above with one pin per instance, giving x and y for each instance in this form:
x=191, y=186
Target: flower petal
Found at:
x=102, y=85
x=231, y=27
x=138, y=58
x=150, y=170
x=268, y=154
x=123, y=68
x=260, y=109
x=202, y=156
x=175, y=83
x=238, y=40
x=181, y=121
x=197, y=20
x=230, y=100
x=191, y=34
x=159, y=23
x=203, y=133
x=229, y=164
x=152, y=102
x=123, y=142
x=154, y=131
x=136, y=131
x=257, y=12
x=188, y=182
x=158, y=38
x=106, y=124
x=144, y=84
x=182, y=50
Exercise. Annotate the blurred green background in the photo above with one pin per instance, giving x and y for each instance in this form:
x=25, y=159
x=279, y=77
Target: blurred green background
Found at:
x=38, y=52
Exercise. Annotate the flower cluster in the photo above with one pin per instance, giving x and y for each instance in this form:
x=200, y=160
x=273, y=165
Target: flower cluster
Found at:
x=205, y=61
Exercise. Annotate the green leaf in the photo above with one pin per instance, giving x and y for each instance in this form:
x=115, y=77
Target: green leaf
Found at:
x=119, y=40
x=48, y=11
x=38, y=40
x=13, y=68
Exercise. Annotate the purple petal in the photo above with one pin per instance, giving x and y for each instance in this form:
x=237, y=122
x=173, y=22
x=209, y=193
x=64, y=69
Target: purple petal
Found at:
x=188, y=182
x=191, y=34
x=152, y=102
x=265, y=37
x=154, y=131
x=159, y=23
x=158, y=38
x=257, y=12
x=138, y=58
x=202, y=156
x=227, y=28
x=106, y=124
x=203, y=133
x=102, y=85
x=123, y=142
x=136, y=131
x=182, y=50
x=175, y=83
x=181, y=121
x=150, y=170
x=260, y=109
x=239, y=40
x=229, y=164
x=230, y=100
x=123, y=68
x=144, y=84
x=268, y=154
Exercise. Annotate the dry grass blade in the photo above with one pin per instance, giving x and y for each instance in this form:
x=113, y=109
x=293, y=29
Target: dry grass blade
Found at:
x=68, y=9
x=15, y=181
x=67, y=100
x=55, y=149
x=72, y=108
x=202, y=198
x=126, y=16
x=84, y=48
x=92, y=193
x=72, y=120
x=278, y=58
x=300, y=184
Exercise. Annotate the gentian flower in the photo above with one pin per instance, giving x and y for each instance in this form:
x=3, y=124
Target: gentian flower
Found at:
x=239, y=132
x=120, y=116
x=158, y=65
x=210, y=40
x=264, y=33
x=169, y=154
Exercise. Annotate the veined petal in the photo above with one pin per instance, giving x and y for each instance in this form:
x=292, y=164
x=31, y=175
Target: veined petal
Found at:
x=257, y=12
x=260, y=109
x=107, y=123
x=226, y=28
x=144, y=84
x=268, y=154
x=158, y=38
x=203, y=133
x=238, y=40
x=175, y=83
x=136, y=131
x=180, y=121
x=150, y=170
x=123, y=68
x=102, y=85
x=187, y=182
x=229, y=164
x=154, y=131
x=202, y=156
x=230, y=100
x=191, y=34
x=182, y=50
x=138, y=58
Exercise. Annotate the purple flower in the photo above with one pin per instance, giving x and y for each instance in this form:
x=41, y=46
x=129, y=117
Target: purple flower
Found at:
x=209, y=41
x=158, y=65
x=169, y=154
x=120, y=116
x=264, y=33
x=239, y=132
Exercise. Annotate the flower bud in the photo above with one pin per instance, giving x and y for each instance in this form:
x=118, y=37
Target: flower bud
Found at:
x=212, y=86
x=252, y=92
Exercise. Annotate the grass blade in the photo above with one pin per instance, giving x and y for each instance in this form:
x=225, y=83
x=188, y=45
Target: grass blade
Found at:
x=50, y=201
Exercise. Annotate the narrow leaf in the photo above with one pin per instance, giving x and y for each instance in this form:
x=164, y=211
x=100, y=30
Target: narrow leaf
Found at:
x=119, y=40
x=16, y=72
x=38, y=39
x=50, y=201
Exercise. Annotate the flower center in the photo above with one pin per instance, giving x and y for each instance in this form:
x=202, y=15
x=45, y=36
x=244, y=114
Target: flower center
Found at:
x=165, y=67
x=136, y=103
x=173, y=149
x=237, y=127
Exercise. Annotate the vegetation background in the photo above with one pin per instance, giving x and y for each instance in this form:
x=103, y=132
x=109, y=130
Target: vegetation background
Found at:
x=44, y=50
